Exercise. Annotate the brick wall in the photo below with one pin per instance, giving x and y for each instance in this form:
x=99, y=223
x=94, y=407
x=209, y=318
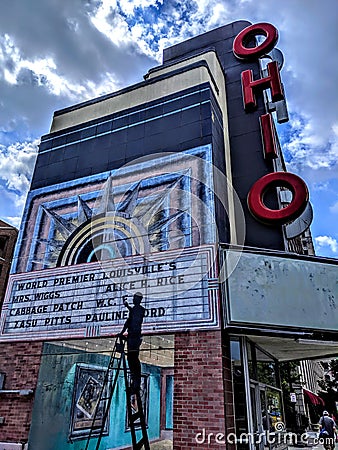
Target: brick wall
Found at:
x=8, y=236
x=202, y=390
x=20, y=362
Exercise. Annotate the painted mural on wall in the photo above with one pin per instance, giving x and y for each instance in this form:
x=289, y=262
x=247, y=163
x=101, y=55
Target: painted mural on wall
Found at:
x=65, y=396
x=148, y=206
x=89, y=244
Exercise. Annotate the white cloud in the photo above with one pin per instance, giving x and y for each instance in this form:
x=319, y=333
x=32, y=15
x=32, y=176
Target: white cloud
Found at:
x=110, y=23
x=327, y=241
x=52, y=56
x=15, y=221
x=334, y=208
x=44, y=72
x=11, y=205
x=313, y=156
x=16, y=167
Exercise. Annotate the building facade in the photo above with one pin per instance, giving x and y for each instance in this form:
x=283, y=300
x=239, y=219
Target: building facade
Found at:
x=8, y=236
x=176, y=188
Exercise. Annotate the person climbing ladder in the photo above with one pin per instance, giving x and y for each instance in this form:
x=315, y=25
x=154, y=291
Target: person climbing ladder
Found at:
x=134, y=339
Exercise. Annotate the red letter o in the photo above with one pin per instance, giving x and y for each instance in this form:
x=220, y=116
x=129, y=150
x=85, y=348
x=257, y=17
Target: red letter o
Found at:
x=278, y=216
x=265, y=29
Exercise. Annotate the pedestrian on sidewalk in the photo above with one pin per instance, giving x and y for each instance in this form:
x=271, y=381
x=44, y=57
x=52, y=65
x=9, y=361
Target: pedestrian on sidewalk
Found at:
x=328, y=430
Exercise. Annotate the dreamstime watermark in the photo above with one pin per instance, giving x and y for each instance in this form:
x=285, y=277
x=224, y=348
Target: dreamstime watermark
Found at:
x=278, y=437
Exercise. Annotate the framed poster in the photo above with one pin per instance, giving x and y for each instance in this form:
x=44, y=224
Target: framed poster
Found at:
x=88, y=384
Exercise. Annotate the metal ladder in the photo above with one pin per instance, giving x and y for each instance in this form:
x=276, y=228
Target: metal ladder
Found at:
x=106, y=395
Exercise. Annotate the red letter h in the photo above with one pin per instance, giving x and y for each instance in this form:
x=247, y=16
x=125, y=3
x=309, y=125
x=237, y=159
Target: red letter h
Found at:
x=272, y=81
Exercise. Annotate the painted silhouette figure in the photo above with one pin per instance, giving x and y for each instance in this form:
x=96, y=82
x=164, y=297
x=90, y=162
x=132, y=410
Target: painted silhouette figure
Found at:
x=134, y=327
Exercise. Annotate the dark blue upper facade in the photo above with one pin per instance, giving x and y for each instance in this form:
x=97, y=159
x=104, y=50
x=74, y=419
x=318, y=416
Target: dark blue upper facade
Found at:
x=174, y=123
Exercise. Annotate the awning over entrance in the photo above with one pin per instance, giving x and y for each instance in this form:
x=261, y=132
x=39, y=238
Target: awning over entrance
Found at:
x=313, y=398
x=291, y=349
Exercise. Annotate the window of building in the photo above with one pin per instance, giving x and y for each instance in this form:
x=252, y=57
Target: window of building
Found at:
x=262, y=367
x=265, y=368
x=240, y=400
x=3, y=244
x=2, y=380
x=257, y=396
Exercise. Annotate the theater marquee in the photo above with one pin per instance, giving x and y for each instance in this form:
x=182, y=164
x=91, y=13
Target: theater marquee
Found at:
x=179, y=292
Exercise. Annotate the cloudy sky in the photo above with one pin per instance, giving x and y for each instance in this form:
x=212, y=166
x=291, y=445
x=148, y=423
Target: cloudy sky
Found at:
x=55, y=53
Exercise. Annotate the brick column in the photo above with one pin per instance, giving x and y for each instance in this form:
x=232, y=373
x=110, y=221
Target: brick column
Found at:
x=199, y=390
x=20, y=362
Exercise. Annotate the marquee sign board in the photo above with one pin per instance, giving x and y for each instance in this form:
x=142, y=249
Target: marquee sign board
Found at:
x=179, y=292
x=280, y=293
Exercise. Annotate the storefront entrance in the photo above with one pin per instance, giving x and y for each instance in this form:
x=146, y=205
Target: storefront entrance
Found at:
x=266, y=411
x=259, y=415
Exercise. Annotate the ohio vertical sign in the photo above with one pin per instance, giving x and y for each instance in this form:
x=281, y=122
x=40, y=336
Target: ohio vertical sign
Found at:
x=250, y=88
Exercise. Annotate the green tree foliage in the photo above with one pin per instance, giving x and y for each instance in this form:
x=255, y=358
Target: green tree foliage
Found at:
x=330, y=380
x=289, y=375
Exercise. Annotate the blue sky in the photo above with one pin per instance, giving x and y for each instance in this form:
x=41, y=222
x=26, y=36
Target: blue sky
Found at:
x=57, y=53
